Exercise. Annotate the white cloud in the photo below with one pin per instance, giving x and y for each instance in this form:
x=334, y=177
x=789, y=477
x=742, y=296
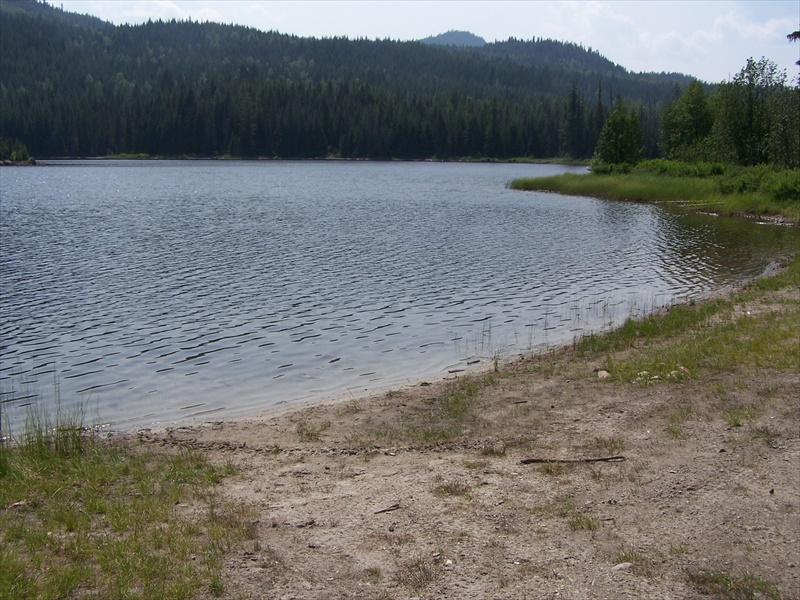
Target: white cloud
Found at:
x=770, y=30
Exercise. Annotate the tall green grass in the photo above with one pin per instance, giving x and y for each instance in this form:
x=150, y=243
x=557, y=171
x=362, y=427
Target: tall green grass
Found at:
x=727, y=190
x=624, y=187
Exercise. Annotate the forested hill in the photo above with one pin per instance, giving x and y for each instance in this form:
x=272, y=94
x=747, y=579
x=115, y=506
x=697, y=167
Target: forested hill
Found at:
x=455, y=38
x=73, y=85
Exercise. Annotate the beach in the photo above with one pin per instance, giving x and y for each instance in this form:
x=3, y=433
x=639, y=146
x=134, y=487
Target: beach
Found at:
x=559, y=475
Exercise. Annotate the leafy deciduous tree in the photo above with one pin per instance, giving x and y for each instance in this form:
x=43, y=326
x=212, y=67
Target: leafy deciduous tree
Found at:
x=747, y=111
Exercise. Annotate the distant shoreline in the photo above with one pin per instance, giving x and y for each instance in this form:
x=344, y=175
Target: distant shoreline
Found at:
x=521, y=160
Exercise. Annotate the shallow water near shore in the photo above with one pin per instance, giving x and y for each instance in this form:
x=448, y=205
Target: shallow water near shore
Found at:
x=150, y=292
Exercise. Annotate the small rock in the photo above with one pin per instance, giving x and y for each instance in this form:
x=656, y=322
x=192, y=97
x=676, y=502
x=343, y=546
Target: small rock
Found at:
x=622, y=566
x=602, y=374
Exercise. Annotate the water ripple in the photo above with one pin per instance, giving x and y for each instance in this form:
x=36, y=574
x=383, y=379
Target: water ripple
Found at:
x=229, y=287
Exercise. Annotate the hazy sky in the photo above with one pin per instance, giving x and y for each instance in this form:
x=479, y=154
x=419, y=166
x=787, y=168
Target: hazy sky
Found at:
x=711, y=40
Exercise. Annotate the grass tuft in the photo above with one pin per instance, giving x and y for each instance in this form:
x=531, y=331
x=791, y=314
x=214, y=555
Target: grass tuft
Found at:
x=415, y=573
x=746, y=586
x=311, y=432
x=444, y=417
x=452, y=488
x=578, y=519
x=642, y=564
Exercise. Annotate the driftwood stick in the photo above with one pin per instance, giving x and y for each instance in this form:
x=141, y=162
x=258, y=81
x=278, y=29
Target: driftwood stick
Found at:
x=390, y=509
x=528, y=461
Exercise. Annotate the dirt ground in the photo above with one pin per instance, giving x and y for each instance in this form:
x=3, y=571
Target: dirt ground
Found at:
x=347, y=500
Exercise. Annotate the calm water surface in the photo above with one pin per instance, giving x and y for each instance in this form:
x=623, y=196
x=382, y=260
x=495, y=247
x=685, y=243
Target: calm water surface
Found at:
x=151, y=292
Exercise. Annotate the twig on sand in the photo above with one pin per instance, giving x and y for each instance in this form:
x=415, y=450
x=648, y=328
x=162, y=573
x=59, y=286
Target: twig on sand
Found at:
x=390, y=509
x=528, y=461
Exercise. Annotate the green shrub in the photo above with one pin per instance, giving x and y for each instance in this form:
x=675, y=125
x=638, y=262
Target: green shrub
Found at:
x=783, y=186
x=13, y=150
x=677, y=168
x=602, y=168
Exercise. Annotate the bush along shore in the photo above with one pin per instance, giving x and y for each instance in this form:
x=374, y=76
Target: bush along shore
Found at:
x=762, y=191
x=658, y=460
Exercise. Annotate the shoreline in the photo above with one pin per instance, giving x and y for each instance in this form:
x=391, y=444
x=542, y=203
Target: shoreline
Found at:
x=399, y=479
x=518, y=160
x=286, y=408
x=658, y=460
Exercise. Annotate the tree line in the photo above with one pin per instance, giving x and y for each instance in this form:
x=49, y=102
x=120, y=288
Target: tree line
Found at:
x=74, y=85
x=753, y=119
x=77, y=86
x=285, y=118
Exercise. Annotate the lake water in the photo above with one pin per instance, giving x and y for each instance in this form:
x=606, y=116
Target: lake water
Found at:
x=150, y=292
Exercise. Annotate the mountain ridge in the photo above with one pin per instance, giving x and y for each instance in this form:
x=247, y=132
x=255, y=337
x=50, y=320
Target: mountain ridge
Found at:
x=455, y=38
x=74, y=84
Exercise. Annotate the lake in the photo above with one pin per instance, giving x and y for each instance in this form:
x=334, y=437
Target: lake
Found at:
x=149, y=292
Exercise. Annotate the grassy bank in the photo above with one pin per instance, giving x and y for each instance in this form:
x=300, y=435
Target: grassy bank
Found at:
x=80, y=516
x=719, y=335
x=726, y=190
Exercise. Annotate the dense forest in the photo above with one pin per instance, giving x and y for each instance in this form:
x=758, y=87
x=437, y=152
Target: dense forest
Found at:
x=73, y=85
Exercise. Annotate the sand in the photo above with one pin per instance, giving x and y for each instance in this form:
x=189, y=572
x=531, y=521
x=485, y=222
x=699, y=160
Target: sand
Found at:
x=351, y=499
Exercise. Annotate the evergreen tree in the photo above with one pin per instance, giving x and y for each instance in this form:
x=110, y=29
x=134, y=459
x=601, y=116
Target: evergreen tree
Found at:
x=573, y=142
x=74, y=85
x=686, y=123
x=620, y=140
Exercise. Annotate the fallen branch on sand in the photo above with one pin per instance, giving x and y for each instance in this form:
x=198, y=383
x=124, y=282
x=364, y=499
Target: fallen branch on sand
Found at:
x=528, y=461
x=390, y=509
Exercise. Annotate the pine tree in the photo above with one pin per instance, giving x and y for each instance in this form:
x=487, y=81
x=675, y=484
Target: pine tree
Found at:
x=620, y=140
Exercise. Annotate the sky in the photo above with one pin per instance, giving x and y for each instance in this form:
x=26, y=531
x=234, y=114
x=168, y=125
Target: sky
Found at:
x=710, y=40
